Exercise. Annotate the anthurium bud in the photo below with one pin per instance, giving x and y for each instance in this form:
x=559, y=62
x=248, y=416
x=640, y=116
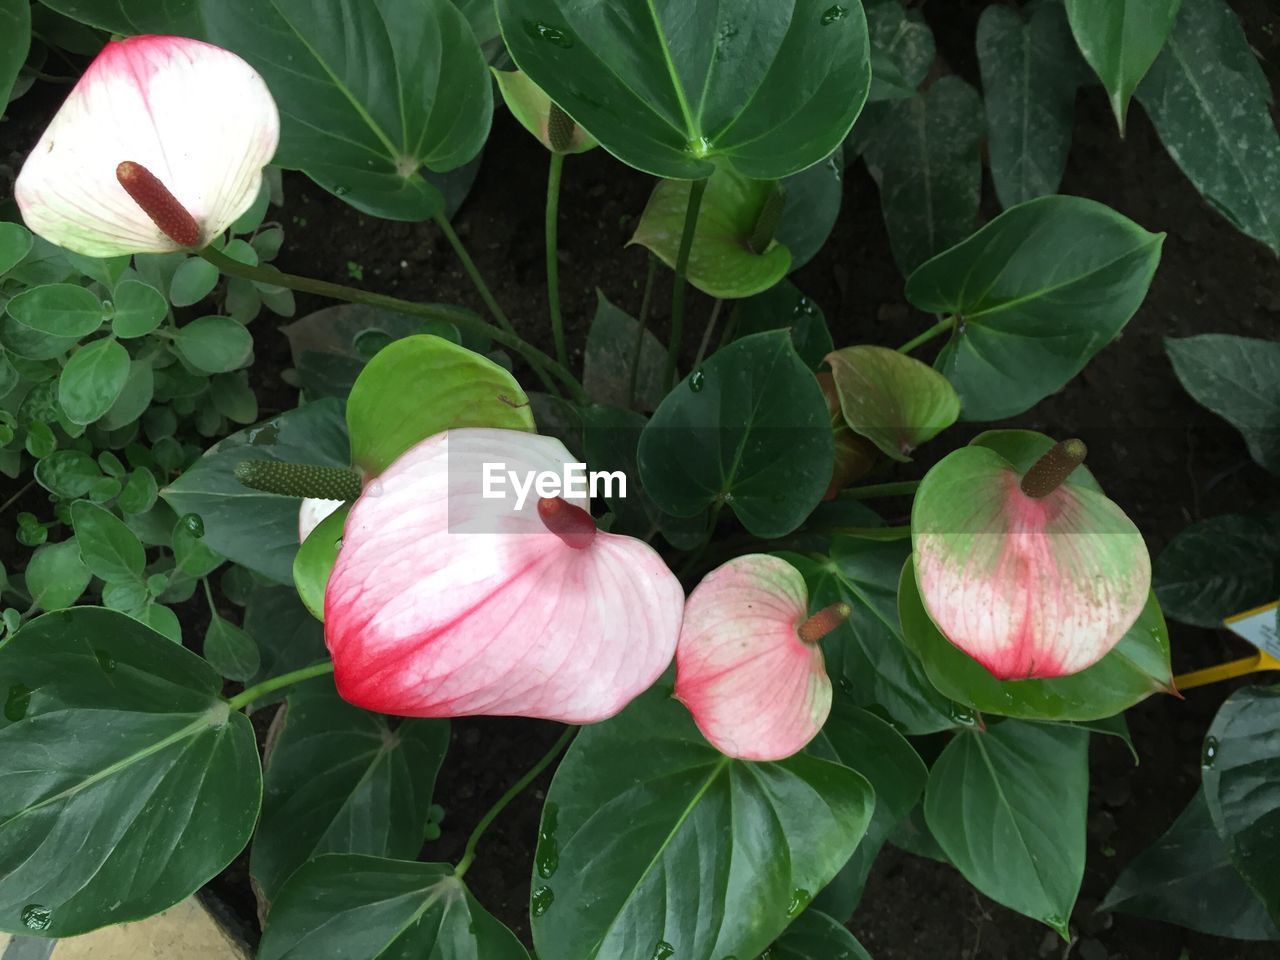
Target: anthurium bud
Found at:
x=455, y=595
x=541, y=116
x=1034, y=576
x=160, y=146
x=748, y=665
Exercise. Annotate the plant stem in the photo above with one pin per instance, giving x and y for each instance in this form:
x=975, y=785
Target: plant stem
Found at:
x=17, y=496
x=246, y=697
x=706, y=334
x=553, y=264
x=942, y=326
x=871, y=491
x=646, y=300
x=428, y=311
x=696, y=191
x=469, y=854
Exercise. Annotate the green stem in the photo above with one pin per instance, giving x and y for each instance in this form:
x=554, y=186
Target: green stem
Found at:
x=696, y=191
x=469, y=854
x=646, y=299
x=17, y=496
x=942, y=326
x=553, y=264
x=246, y=697
x=428, y=311
x=706, y=334
x=871, y=491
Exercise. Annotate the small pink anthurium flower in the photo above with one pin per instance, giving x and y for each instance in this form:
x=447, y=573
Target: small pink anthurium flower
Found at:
x=159, y=147
x=1032, y=575
x=455, y=595
x=748, y=665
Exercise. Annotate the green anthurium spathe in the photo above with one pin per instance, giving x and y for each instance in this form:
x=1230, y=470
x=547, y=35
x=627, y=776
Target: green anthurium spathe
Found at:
x=772, y=86
x=734, y=253
x=1030, y=574
x=538, y=114
x=893, y=400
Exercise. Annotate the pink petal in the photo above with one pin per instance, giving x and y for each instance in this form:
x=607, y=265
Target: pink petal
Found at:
x=197, y=116
x=312, y=513
x=1027, y=587
x=756, y=691
x=445, y=604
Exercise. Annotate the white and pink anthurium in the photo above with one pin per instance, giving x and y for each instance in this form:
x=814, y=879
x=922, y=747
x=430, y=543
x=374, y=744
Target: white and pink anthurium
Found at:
x=159, y=147
x=447, y=602
x=1034, y=575
x=748, y=665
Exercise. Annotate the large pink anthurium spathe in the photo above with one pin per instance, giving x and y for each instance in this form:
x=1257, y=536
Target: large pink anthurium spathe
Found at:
x=159, y=147
x=748, y=665
x=1032, y=575
x=453, y=596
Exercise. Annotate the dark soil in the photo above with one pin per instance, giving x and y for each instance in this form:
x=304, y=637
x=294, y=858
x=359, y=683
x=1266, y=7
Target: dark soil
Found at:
x=1166, y=461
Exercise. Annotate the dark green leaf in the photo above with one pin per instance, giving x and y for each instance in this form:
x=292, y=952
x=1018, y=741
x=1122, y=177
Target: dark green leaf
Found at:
x=58, y=309
x=128, y=17
x=901, y=50
x=110, y=549
x=68, y=473
x=815, y=936
x=340, y=780
x=610, y=357
x=132, y=401
x=813, y=198
x=1218, y=567
x=784, y=307
x=230, y=650
x=288, y=637
x=323, y=344
x=1037, y=292
x=1008, y=806
x=125, y=758
x=749, y=428
x=924, y=154
x=642, y=806
x=15, y=243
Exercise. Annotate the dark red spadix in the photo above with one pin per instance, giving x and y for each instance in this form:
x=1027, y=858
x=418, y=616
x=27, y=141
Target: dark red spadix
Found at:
x=173, y=219
x=571, y=524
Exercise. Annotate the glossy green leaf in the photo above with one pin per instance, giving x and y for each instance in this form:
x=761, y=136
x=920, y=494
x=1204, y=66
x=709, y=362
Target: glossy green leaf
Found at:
x=58, y=309
x=611, y=436
x=1218, y=567
x=129, y=17
x=723, y=261
x=1241, y=776
x=1008, y=806
x=924, y=154
x=214, y=344
x=420, y=386
x=68, y=473
x=1121, y=39
x=747, y=429
x=93, y=379
x=863, y=742
x=110, y=549
x=530, y=105
x=811, y=208
x=893, y=400
x=784, y=307
x=340, y=780
x=815, y=936
x=1037, y=292
x=15, y=243
x=1029, y=79
x=611, y=354
x=314, y=560
x=288, y=637
x=56, y=576
x=866, y=656
x=353, y=907
x=1187, y=878
x=134, y=399
x=123, y=756
x=230, y=650
x=666, y=87
x=1136, y=667
x=192, y=282
x=642, y=806
x=370, y=91
x=139, y=492
x=139, y=309
x=1209, y=101
x=1238, y=378
x=255, y=529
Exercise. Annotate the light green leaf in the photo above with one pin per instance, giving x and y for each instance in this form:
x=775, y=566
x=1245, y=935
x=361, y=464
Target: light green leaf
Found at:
x=192, y=282
x=214, y=344
x=109, y=548
x=15, y=28
x=139, y=309
x=93, y=380
x=58, y=309
x=314, y=561
x=229, y=650
x=15, y=244
x=56, y=576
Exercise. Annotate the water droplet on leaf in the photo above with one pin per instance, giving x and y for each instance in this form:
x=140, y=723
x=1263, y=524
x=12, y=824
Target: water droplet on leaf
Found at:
x=192, y=523
x=547, y=856
x=541, y=901
x=553, y=35
x=36, y=916
x=15, y=705
x=799, y=900
x=662, y=951
x=963, y=715
x=832, y=14
x=697, y=380
x=105, y=661
x=1210, y=752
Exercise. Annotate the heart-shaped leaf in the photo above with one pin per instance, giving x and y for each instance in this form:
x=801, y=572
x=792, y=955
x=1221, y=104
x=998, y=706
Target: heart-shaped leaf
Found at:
x=610, y=360
x=370, y=91
x=770, y=87
x=117, y=749
x=331, y=346
x=749, y=429
x=1218, y=567
x=812, y=207
x=1036, y=293
x=642, y=805
x=784, y=307
x=734, y=253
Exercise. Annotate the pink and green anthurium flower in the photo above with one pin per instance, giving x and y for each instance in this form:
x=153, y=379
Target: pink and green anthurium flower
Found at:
x=1032, y=575
x=159, y=147
x=748, y=665
x=454, y=596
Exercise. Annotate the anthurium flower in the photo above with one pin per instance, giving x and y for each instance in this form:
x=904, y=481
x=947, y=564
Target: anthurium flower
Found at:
x=159, y=147
x=312, y=512
x=748, y=665
x=1035, y=575
x=445, y=602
